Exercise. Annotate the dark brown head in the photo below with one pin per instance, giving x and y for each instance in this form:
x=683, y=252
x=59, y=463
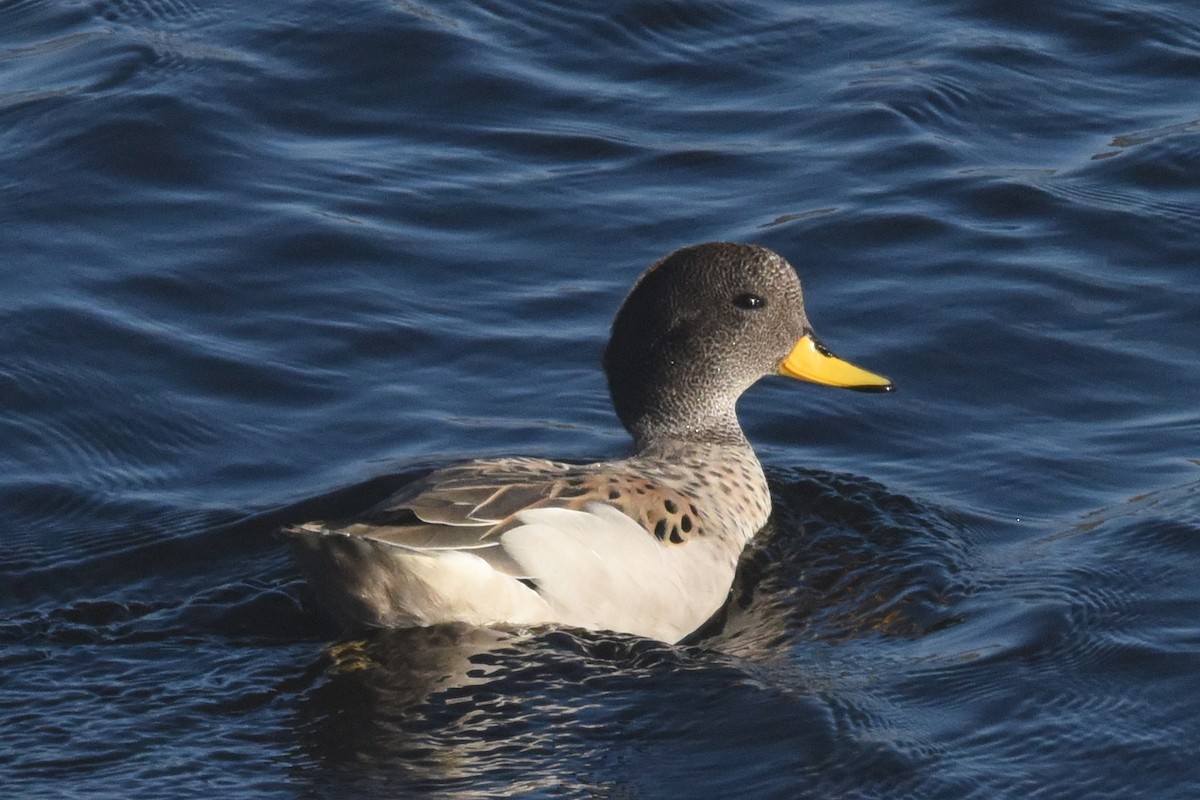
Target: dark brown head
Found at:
x=699, y=328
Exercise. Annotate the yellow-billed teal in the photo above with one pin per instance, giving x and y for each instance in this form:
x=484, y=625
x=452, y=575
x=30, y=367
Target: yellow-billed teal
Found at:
x=646, y=544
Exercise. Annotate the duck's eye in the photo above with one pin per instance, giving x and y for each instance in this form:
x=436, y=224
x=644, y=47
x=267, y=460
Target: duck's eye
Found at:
x=749, y=301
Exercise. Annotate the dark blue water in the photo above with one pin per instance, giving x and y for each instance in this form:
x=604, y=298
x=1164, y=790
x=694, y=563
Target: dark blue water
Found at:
x=254, y=257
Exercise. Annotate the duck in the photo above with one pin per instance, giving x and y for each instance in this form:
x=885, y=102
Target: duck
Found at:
x=647, y=544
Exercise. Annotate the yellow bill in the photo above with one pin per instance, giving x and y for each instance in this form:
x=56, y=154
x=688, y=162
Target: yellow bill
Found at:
x=811, y=361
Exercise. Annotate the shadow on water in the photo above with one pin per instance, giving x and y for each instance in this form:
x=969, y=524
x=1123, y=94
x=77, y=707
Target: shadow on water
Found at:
x=844, y=557
x=562, y=712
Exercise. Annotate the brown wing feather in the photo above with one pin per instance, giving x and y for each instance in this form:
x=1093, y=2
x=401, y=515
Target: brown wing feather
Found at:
x=469, y=505
x=479, y=493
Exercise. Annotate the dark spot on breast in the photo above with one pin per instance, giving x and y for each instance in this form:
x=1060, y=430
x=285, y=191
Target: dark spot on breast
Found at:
x=614, y=493
x=670, y=506
x=675, y=537
x=686, y=523
x=660, y=529
x=695, y=511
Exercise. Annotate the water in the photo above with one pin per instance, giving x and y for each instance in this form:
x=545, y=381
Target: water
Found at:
x=255, y=257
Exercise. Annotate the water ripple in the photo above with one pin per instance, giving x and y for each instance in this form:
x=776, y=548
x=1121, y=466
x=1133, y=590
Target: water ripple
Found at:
x=252, y=253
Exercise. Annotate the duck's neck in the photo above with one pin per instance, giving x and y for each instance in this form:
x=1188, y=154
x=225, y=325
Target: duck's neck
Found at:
x=664, y=430
x=664, y=403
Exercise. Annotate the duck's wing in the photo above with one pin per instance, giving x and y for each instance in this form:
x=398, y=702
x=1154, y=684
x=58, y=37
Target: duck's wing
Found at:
x=483, y=494
x=523, y=541
x=463, y=508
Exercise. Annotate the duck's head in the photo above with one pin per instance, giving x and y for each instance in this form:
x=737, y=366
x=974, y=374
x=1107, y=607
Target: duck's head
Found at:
x=699, y=328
